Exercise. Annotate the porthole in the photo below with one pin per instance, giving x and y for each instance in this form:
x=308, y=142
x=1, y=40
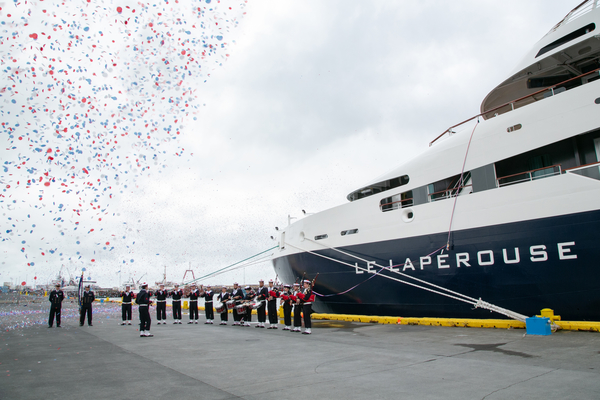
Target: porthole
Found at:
x=301, y=236
x=597, y=101
x=408, y=215
x=320, y=237
x=349, y=232
x=514, y=128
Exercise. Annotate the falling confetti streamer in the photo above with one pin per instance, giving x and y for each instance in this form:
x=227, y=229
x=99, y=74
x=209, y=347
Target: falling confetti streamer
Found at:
x=94, y=95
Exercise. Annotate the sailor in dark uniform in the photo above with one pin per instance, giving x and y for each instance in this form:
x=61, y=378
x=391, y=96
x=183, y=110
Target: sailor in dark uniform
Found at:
x=86, y=306
x=272, y=305
x=287, y=307
x=306, y=298
x=261, y=296
x=143, y=300
x=238, y=295
x=176, y=295
x=56, y=297
x=161, y=305
x=127, y=297
x=194, y=294
x=223, y=297
x=250, y=295
x=208, y=304
x=297, y=309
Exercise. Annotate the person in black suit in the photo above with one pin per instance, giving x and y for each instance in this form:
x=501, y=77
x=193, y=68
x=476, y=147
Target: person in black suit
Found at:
x=86, y=306
x=56, y=297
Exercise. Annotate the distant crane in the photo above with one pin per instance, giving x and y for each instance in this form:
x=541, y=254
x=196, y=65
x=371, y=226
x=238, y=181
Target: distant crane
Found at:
x=137, y=283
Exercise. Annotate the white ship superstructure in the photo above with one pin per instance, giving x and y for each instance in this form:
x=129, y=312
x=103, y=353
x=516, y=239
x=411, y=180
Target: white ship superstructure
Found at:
x=504, y=207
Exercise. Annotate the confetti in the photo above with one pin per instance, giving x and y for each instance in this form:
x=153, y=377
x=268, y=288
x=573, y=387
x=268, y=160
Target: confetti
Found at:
x=93, y=96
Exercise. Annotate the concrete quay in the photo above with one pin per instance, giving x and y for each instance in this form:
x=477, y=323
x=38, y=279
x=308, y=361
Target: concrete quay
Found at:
x=340, y=360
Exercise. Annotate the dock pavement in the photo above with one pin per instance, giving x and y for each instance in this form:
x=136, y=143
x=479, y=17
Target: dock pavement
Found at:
x=340, y=360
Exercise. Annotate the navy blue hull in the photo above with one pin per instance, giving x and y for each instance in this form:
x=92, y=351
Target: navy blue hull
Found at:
x=524, y=267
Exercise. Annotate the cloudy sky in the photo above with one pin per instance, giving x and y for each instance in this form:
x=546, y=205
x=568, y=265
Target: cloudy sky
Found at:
x=300, y=104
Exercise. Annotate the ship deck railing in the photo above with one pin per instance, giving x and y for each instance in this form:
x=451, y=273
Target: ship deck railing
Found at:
x=528, y=176
x=394, y=205
x=523, y=101
x=447, y=193
x=591, y=170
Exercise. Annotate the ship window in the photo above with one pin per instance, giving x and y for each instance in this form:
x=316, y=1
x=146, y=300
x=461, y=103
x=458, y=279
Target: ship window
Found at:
x=378, y=187
x=545, y=81
x=451, y=187
x=319, y=237
x=567, y=38
x=397, y=201
x=514, y=128
x=349, y=232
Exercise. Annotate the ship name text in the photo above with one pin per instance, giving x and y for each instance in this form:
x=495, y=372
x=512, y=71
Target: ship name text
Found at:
x=536, y=253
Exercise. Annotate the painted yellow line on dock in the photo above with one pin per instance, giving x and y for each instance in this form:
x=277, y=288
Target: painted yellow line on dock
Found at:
x=590, y=326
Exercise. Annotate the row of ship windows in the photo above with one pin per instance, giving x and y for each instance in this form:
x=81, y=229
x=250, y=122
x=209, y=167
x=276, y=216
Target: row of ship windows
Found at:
x=543, y=162
x=444, y=189
x=343, y=233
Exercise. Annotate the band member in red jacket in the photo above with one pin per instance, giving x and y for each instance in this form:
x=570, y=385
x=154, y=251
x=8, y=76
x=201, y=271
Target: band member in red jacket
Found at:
x=306, y=298
x=297, y=309
x=287, y=307
x=127, y=297
x=272, y=305
x=176, y=295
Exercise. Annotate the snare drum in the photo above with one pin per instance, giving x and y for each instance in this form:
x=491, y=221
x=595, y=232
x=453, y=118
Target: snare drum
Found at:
x=231, y=304
x=220, y=308
x=257, y=305
x=240, y=308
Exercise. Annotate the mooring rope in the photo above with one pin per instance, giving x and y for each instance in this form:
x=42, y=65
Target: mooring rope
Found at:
x=386, y=276
x=229, y=267
x=477, y=303
x=460, y=182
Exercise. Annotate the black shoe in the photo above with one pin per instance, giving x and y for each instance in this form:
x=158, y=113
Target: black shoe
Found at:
x=80, y=324
x=58, y=326
x=49, y=326
x=90, y=325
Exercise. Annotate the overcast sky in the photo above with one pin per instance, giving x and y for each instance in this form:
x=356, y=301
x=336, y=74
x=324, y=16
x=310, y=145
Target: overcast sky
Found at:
x=297, y=105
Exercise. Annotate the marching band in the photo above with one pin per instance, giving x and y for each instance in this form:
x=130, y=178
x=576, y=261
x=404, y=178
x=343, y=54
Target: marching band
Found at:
x=294, y=301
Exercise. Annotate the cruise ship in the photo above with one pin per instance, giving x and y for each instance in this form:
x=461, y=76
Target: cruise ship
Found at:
x=500, y=216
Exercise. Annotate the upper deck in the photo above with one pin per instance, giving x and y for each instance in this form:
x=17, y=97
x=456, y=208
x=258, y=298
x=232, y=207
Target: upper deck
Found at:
x=570, y=49
x=565, y=58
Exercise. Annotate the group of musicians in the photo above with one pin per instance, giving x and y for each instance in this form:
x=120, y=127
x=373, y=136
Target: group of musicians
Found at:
x=241, y=302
